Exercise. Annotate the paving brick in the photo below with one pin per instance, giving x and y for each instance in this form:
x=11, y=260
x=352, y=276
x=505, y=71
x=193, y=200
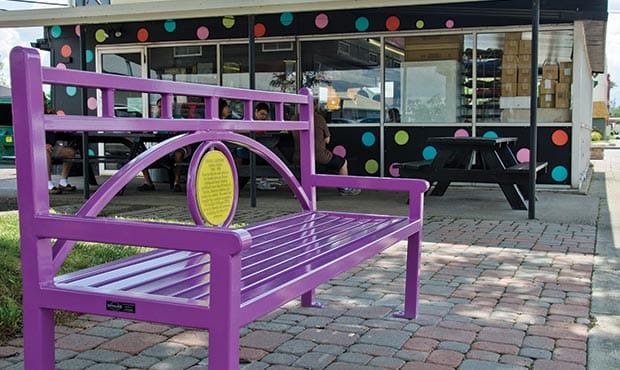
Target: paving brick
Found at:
x=279, y=358
x=439, y=333
x=175, y=362
x=133, y=343
x=570, y=310
x=251, y=354
x=315, y=360
x=372, y=350
x=556, y=365
x=561, y=331
x=324, y=336
x=192, y=338
x=500, y=335
x=487, y=365
x=148, y=327
x=354, y=358
x=454, y=346
x=296, y=346
x=421, y=344
x=164, y=349
x=570, y=355
x=79, y=342
x=265, y=340
x=516, y=360
x=535, y=353
x=507, y=349
x=8, y=351
x=141, y=362
x=102, y=355
x=74, y=364
x=445, y=357
x=386, y=363
x=539, y=342
x=483, y=355
x=372, y=312
x=104, y=331
x=425, y=366
x=384, y=337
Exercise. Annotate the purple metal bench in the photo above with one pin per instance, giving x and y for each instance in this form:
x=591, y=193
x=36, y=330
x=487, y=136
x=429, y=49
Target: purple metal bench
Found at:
x=210, y=277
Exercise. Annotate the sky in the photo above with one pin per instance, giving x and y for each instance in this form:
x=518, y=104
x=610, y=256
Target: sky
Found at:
x=10, y=37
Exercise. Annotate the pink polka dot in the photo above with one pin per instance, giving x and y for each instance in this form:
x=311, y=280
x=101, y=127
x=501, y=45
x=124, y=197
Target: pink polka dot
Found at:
x=61, y=66
x=60, y=112
x=523, y=155
x=92, y=103
x=394, y=171
x=202, y=32
x=77, y=30
x=461, y=133
x=341, y=151
x=450, y=23
x=321, y=21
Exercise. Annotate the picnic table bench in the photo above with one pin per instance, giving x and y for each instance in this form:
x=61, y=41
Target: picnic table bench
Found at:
x=204, y=275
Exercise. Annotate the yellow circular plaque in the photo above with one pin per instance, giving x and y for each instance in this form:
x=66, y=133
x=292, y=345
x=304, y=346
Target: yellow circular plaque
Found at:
x=215, y=188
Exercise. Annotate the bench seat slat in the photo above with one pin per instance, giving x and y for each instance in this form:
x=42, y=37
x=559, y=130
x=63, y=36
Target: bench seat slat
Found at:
x=320, y=238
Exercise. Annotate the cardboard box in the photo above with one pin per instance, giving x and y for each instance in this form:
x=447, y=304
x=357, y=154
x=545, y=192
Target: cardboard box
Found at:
x=509, y=74
x=550, y=71
x=524, y=88
x=566, y=72
x=525, y=74
x=546, y=101
x=511, y=47
x=547, y=86
x=562, y=95
x=512, y=36
x=510, y=60
x=547, y=115
x=525, y=60
x=525, y=47
x=433, y=54
x=509, y=89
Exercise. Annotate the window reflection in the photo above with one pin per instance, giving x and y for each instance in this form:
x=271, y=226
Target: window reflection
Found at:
x=345, y=76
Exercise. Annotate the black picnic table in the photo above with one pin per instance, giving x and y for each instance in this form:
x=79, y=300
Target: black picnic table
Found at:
x=476, y=160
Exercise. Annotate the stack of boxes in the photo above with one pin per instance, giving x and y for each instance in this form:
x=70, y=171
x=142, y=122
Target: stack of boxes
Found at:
x=516, y=65
x=555, y=85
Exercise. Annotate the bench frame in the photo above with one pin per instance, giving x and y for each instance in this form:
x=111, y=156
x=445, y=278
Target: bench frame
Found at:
x=309, y=247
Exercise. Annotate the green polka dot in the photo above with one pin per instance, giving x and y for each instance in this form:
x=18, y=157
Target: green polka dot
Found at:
x=372, y=166
x=56, y=31
x=100, y=35
x=228, y=21
x=401, y=137
x=419, y=24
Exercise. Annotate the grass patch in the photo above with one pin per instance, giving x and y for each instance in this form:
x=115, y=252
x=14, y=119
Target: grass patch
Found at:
x=83, y=255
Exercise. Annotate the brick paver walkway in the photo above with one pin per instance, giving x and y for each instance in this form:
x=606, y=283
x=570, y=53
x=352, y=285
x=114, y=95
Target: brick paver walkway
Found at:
x=494, y=295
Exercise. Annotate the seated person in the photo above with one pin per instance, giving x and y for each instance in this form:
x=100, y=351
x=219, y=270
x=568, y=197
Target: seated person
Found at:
x=180, y=155
x=323, y=156
x=56, y=149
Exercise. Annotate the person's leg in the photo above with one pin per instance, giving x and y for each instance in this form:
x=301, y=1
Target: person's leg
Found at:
x=61, y=153
x=50, y=185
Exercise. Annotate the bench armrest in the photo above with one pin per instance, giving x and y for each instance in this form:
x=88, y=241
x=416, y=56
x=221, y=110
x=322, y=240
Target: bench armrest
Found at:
x=373, y=183
x=139, y=233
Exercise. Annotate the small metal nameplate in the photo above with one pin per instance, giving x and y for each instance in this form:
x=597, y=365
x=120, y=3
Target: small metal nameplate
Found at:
x=120, y=306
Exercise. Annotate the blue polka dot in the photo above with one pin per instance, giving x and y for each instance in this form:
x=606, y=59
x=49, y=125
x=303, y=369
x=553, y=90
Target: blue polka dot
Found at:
x=56, y=31
x=559, y=174
x=429, y=153
x=368, y=139
x=71, y=90
x=286, y=19
x=170, y=25
x=89, y=56
x=490, y=134
x=361, y=24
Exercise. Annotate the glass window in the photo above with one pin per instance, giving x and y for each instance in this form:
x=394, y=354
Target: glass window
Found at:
x=423, y=79
x=504, y=76
x=190, y=63
x=345, y=76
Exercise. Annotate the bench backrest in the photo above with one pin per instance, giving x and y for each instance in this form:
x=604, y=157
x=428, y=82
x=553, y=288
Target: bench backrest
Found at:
x=30, y=122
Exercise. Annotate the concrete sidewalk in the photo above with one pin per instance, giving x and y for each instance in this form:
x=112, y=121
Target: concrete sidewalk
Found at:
x=498, y=291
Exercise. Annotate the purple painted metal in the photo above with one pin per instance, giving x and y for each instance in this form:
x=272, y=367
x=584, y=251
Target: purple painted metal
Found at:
x=205, y=277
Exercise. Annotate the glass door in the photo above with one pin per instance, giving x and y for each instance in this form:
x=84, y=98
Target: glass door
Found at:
x=124, y=62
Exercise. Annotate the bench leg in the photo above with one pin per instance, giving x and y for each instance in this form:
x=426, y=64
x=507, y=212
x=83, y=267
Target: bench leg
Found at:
x=412, y=277
x=307, y=300
x=38, y=338
x=224, y=347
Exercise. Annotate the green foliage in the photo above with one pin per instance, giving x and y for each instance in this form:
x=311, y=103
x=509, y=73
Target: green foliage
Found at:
x=83, y=255
x=596, y=136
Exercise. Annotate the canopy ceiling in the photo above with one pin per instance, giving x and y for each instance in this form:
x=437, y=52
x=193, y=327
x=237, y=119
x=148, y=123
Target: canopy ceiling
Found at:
x=136, y=11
